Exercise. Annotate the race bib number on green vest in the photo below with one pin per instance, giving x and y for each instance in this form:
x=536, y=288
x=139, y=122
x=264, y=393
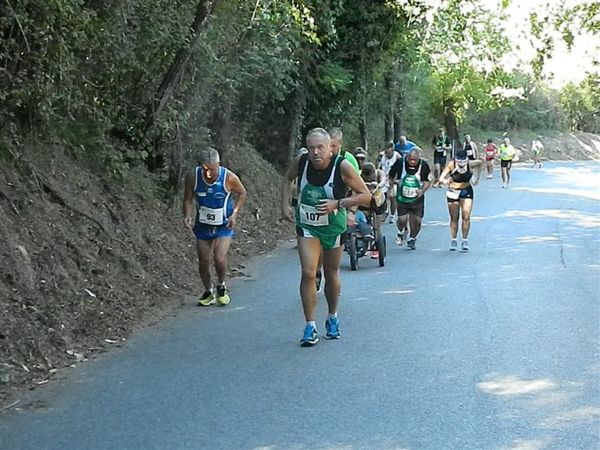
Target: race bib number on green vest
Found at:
x=310, y=216
x=410, y=192
x=210, y=216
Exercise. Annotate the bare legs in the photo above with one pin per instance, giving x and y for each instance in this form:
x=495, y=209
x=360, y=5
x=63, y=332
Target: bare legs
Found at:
x=309, y=250
x=206, y=249
x=457, y=209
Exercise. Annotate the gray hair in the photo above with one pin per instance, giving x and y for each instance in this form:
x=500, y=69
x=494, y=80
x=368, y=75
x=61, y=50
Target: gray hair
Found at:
x=319, y=131
x=210, y=156
x=415, y=151
x=335, y=133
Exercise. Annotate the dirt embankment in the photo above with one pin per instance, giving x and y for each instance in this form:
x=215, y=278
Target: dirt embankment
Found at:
x=84, y=260
x=557, y=146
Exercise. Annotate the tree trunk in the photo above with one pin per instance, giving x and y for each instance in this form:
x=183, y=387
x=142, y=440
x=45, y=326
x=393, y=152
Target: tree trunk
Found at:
x=222, y=126
x=397, y=113
x=296, y=119
x=388, y=125
x=397, y=126
x=450, y=123
x=362, y=126
x=173, y=75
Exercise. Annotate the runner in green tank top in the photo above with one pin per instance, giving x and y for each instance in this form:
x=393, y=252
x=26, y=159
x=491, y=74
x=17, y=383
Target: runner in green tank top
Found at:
x=414, y=174
x=324, y=181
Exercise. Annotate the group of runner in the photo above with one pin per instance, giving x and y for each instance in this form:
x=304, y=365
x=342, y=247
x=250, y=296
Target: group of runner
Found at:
x=328, y=182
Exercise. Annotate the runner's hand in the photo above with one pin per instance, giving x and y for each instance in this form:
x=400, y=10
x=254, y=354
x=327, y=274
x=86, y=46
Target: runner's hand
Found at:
x=327, y=206
x=288, y=215
x=475, y=182
x=188, y=222
x=231, y=222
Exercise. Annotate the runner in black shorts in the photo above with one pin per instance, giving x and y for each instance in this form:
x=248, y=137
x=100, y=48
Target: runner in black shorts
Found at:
x=457, y=175
x=410, y=196
x=441, y=145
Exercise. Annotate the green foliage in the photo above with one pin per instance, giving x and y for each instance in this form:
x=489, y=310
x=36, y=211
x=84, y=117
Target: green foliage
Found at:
x=86, y=73
x=581, y=104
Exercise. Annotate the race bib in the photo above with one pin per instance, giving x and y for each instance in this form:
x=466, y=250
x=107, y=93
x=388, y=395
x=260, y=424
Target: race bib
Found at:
x=310, y=216
x=469, y=152
x=452, y=194
x=210, y=216
x=410, y=192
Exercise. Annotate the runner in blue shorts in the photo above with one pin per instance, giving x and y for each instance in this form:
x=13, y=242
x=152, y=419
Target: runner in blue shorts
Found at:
x=211, y=186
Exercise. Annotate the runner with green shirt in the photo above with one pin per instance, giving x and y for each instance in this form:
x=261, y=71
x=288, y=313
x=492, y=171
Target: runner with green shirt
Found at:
x=324, y=179
x=336, y=136
x=410, y=196
x=336, y=147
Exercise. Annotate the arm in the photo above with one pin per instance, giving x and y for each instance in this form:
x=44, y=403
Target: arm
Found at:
x=395, y=172
x=188, y=200
x=475, y=151
x=286, y=191
x=425, y=175
x=235, y=185
x=476, y=165
x=444, y=176
x=360, y=194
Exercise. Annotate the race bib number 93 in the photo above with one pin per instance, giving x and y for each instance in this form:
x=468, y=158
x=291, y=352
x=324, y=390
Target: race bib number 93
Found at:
x=210, y=216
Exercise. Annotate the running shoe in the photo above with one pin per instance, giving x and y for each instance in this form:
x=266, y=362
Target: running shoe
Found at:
x=464, y=246
x=310, y=337
x=391, y=218
x=319, y=281
x=411, y=243
x=398, y=238
x=374, y=254
x=207, y=299
x=223, y=295
x=332, y=325
x=453, y=245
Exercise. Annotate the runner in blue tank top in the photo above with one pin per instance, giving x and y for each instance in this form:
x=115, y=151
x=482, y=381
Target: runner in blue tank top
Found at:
x=212, y=187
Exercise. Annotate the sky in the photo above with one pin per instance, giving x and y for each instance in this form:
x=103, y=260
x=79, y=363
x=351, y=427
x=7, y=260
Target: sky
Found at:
x=565, y=65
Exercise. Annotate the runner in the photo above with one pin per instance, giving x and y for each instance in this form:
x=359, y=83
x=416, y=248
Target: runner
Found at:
x=361, y=157
x=388, y=159
x=410, y=197
x=336, y=146
x=216, y=214
x=323, y=182
x=538, y=151
x=507, y=153
x=441, y=145
x=470, y=148
x=336, y=136
x=404, y=146
x=458, y=176
x=490, y=157
x=375, y=181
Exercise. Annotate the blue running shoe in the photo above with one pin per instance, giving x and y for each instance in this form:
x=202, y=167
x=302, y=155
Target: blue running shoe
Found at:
x=310, y=337
x=332, y=325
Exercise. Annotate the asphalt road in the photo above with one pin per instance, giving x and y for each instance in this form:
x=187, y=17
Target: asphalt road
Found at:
x=494, y=349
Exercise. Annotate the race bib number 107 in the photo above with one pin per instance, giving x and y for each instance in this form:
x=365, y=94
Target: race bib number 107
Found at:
x=310, y=216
